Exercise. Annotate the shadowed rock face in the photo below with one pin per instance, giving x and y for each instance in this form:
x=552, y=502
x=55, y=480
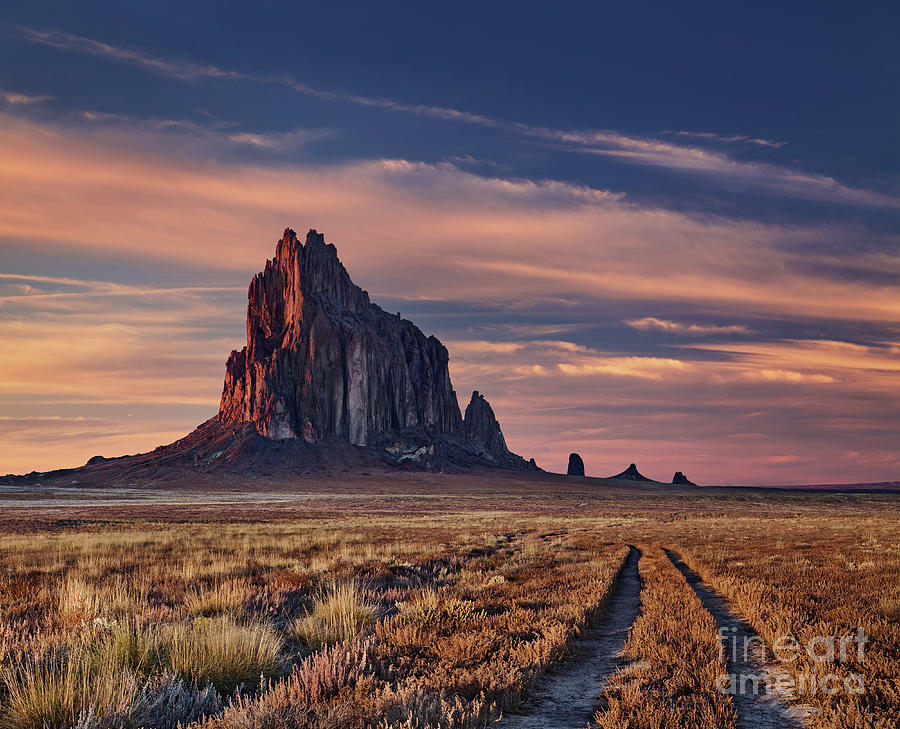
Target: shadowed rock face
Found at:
x=576, y=465
x=680, y=479
x=481, y=426
x=631, y=474
x=322, y=359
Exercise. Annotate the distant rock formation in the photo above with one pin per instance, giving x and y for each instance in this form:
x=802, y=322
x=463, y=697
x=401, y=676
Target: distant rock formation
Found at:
x=679, y=479
x=480, y=425
x=576, y=465
x=322, y=360
x=631, y=474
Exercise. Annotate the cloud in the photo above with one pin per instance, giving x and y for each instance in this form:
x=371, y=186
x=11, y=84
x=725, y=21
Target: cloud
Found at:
x=650, y=323
x=699, y=160
x=180, y=69
x=459, y=235
x=786, y=361
x=277, y=141
x=614, y=145
x=217, y=133
x=110, y=343
x=652, y=368
x=789, y=376
x=728, y=138
x=836, y=356
x=11, y=97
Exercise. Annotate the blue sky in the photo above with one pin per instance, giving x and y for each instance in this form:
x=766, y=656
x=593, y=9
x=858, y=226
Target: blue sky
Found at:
x=651, y=231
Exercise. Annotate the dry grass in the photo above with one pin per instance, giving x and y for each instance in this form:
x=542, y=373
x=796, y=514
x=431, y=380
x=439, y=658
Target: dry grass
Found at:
x=341, y=611
x=56, y=690
x=222, y=598
x=674, y=649
x=426, y=612
x=455, y=621
x=224, y=653
x=821, y=583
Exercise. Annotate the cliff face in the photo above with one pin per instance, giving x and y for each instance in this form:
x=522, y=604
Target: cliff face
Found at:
x=322, y=359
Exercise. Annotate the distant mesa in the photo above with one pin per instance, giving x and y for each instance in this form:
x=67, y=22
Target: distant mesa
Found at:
x=576, y=465
x=679, y=479
x=631, y=474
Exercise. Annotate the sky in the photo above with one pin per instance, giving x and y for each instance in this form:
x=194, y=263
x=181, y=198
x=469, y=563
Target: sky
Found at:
x=647, y=232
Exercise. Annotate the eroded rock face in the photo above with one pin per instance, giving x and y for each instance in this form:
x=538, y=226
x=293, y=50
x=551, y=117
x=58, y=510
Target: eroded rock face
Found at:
x=322, y=359
x=576, y=465
x=481, y=426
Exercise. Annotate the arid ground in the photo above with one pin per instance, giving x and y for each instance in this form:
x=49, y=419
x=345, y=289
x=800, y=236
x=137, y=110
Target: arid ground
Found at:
x=431, y=600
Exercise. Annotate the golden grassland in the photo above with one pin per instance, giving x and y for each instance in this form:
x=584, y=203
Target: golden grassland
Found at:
x=436, y=606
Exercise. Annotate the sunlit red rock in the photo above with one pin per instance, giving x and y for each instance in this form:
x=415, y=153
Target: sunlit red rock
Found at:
x=319, y=352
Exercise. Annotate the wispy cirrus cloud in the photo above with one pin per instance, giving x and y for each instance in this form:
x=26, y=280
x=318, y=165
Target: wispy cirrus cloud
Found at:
x=184, y=70
x=704, y=161
x=727, y=138
x=651, y=323
x=218, y=131
x=278, y=141
x=629, y=149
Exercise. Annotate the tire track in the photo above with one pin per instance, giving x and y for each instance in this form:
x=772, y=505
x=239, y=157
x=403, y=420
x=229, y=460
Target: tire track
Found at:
x=756, y=710
x=567, y=697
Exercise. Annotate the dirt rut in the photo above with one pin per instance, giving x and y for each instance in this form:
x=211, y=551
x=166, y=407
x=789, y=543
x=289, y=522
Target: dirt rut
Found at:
x=755, y=710
x=567, y=697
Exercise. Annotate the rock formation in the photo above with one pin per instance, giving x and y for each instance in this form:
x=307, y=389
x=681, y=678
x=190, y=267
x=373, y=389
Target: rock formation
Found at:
x=631, y=474
x=480, y=425
x=679, y=479
x=322, y=361
x=576, y=465
x=328, y=382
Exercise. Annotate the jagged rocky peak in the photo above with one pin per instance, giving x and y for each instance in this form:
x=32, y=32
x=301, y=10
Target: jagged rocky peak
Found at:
x=576, y=465
x=322, y=360
x=276, y=296
x=481, y=425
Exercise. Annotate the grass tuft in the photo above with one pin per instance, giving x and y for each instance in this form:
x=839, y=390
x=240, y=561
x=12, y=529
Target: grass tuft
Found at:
x=55, y=690
x=225, y=653
x=341, y=611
